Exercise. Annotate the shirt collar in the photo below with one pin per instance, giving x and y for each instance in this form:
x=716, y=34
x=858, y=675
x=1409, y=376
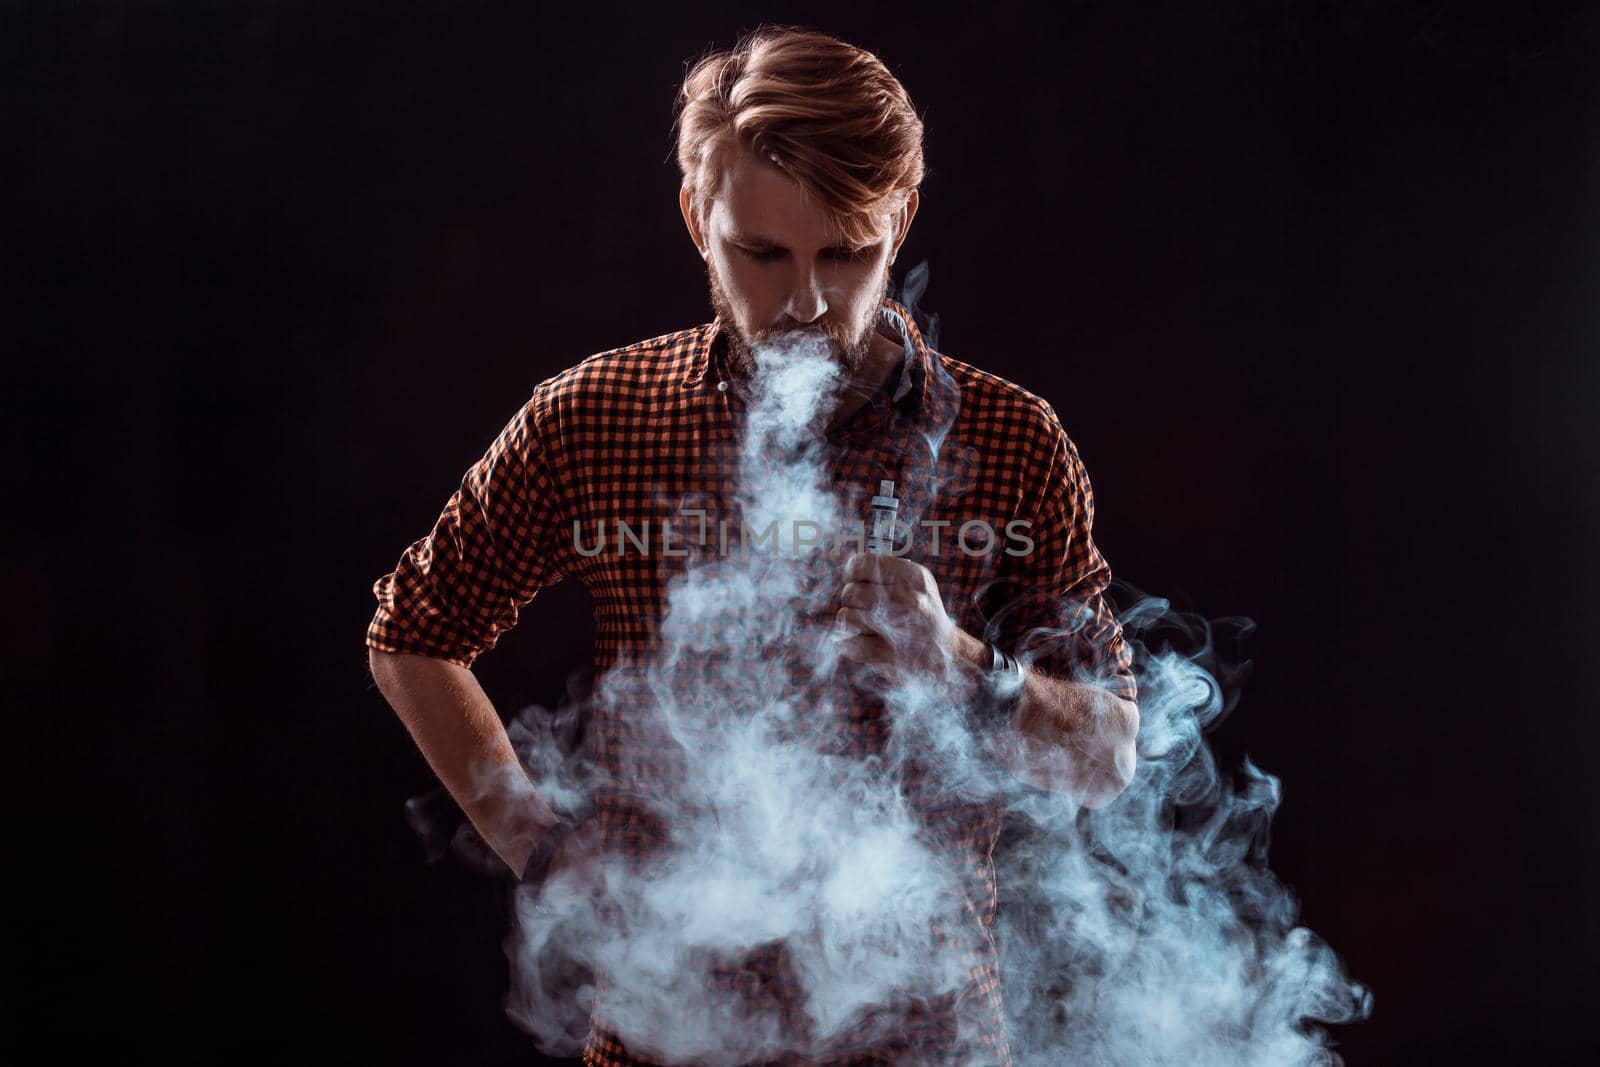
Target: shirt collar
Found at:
x=909, y=381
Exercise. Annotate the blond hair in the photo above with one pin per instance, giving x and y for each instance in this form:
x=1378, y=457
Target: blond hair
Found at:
x=828, y=113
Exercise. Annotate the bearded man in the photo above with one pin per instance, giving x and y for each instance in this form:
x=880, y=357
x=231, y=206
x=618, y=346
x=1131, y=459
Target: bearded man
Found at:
x=801, y=158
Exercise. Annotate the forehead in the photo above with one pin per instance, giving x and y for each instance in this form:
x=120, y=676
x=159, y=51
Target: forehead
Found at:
x=756, y=198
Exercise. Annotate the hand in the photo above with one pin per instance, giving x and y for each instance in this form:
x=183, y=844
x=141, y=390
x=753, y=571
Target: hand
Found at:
x=577, y=865
x=892, y=620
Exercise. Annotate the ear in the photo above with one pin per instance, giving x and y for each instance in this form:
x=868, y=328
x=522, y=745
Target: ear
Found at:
x=686, y=206
x=903, y=223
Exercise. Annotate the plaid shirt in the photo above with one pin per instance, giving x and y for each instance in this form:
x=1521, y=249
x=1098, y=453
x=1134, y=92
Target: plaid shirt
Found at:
x=638, y=433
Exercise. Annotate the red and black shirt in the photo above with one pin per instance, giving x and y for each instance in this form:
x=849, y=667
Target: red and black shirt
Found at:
x=994, y=501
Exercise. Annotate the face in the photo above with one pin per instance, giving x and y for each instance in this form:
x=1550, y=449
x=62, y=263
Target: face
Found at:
x=775, y=269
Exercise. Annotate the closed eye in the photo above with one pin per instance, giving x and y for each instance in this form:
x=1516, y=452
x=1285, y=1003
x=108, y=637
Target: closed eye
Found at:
x=768, y=255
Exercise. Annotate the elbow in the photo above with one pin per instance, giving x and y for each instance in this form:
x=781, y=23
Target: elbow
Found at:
x=385, y=668
x=1093, y=768
x=1110, y=783
x=378, y=662
x=1117, y=771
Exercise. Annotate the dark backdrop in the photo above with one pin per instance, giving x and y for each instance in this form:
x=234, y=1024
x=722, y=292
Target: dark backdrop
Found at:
x=1311, y=285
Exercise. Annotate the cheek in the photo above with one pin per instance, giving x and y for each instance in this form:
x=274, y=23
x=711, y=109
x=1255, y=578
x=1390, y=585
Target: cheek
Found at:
x=742, y=282
x=869, y=287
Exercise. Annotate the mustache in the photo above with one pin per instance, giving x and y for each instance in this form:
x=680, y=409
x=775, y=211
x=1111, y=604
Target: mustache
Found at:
x=800, y=331
x=837, y=337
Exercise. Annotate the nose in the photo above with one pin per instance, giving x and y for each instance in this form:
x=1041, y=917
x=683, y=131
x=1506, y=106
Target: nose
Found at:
x=807, y=303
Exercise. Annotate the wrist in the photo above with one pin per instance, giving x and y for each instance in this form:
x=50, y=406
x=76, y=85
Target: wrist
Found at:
x=536, y=868
x=969, y=651
x=522, y=827
x=997, y=690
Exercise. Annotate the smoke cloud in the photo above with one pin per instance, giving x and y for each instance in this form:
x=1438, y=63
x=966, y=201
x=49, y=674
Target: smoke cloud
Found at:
x=1147, y=932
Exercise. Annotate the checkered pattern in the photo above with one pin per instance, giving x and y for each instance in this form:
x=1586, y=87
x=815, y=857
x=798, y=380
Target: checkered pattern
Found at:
x=638, y=433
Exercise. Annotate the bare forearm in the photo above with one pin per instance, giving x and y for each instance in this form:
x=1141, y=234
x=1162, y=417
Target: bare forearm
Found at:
x=1074, y=738
x=461, y=736
x=1065, y=737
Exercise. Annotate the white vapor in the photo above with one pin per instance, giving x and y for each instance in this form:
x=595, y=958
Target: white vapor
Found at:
x=1146, y=932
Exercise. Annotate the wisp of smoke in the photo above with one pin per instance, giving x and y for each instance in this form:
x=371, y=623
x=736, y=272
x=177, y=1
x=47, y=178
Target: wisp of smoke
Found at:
x=1147, y=932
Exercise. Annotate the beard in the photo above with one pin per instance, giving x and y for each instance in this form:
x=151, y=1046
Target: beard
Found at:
x=849, y=345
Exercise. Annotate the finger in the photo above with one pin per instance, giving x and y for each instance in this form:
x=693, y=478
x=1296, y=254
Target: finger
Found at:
x=866, y=648
x=853, y=621
x=869, y=651
x=866, y=567
x=863, y=596
x=879, y=569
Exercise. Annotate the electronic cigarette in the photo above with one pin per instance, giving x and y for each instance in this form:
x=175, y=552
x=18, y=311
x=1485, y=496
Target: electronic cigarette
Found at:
x=885, y=508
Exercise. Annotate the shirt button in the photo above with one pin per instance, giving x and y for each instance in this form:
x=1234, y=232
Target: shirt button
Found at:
x=722, y=386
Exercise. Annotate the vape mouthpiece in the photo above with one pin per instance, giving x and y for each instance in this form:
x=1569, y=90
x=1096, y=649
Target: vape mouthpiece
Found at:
x=884, y=510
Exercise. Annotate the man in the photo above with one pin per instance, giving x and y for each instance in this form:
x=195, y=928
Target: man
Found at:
x=801, y=157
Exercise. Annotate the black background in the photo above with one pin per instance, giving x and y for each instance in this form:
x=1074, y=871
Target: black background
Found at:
x=1313, y=287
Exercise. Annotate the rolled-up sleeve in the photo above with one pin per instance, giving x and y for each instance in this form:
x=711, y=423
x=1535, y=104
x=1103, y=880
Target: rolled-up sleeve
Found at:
x=495, y=545
x=1056, y=616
